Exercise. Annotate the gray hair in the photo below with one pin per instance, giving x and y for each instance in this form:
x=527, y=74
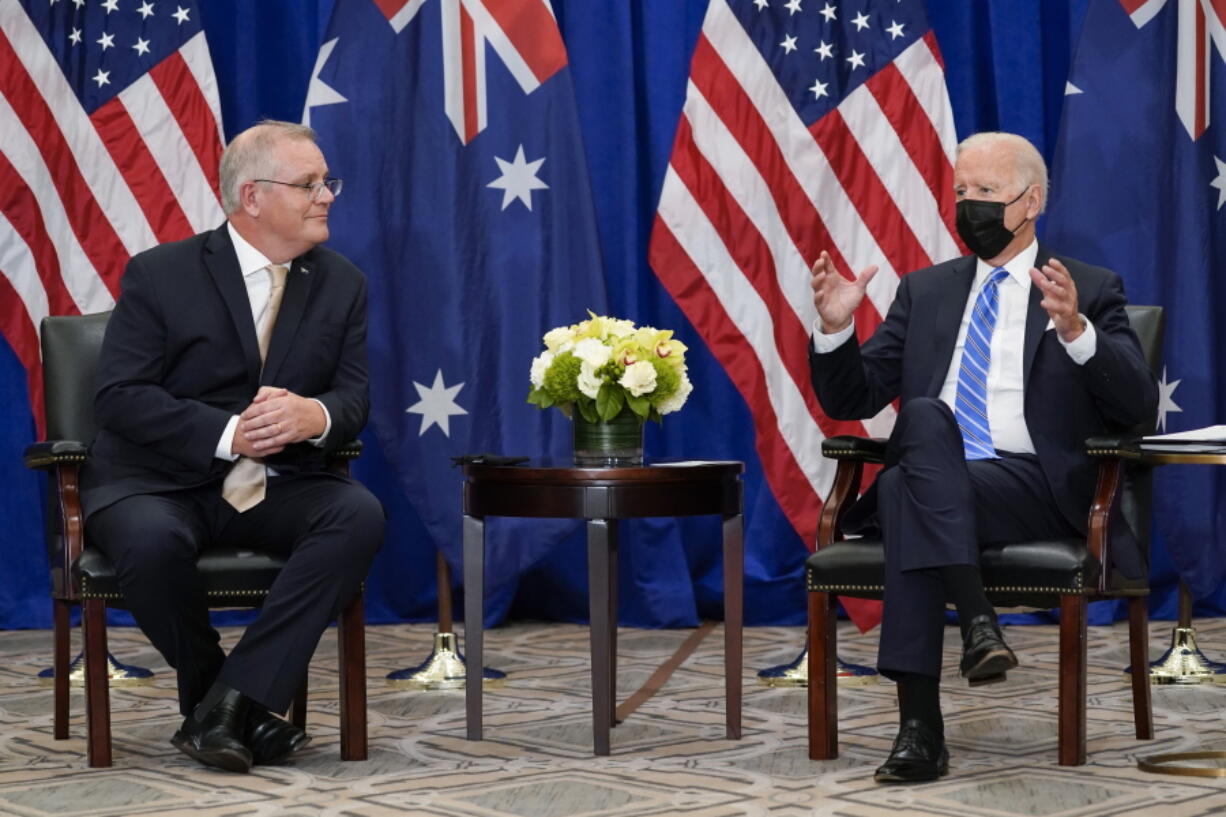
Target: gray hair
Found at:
x=251, y=155
x=1028, y=165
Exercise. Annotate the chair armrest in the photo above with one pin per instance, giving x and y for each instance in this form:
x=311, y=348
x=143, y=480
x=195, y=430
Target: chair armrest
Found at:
x=61, y=460
x=338, y=460
x=852, y=454
x=52, y=453
x=863, y=449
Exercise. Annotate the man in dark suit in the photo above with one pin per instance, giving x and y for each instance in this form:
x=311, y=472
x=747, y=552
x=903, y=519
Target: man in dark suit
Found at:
x=1003, y=363
x=233, y=362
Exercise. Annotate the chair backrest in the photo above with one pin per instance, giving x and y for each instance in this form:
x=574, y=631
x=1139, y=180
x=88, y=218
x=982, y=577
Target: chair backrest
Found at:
x=71, y=346
x=1148, y=322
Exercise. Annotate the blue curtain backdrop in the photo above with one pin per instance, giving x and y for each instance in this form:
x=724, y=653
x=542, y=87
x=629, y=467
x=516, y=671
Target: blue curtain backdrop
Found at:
x=1006, y=61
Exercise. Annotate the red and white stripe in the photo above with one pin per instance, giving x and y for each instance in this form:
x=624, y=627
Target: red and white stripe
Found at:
x=81, y=194
x=752, y=195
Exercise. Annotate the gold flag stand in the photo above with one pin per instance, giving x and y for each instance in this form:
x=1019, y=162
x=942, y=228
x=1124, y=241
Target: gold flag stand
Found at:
x=444, y=668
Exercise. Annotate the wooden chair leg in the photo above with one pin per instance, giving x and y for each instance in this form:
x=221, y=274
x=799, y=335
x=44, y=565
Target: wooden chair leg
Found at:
x=60, y=613
x=297, y=709
x=1073, y=669
x=97, y=685
x=823, y=689
x=1138, y=643
x=351, y=633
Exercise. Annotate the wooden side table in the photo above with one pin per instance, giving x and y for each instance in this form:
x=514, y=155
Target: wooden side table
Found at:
x=603, y=496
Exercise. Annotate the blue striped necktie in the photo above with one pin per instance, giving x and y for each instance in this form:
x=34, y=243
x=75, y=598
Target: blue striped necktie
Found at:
x=971, y=400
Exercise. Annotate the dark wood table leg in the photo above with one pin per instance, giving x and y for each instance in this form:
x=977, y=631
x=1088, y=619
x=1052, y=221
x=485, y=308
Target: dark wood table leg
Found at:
x=614, y=531
x=734, y=573
x=598, y=558
x=474, y=621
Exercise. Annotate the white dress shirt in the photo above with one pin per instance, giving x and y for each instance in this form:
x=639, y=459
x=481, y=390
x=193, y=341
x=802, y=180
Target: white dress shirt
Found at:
x=1006, y=397
x=254, y=266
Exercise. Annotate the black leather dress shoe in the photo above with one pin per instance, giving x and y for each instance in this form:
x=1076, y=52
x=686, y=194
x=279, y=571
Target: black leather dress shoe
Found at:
x=918, y=755
x=985, y=655
x=272, y=739
x=213, y=733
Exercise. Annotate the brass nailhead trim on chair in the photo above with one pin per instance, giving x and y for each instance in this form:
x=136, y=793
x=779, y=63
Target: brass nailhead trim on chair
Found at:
x=87, y=594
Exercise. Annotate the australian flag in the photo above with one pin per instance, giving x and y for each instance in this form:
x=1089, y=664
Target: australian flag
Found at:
x=467, y=204
x=1139, y=185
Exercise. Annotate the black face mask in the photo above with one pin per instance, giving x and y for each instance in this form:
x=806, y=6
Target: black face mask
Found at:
x=981, y=225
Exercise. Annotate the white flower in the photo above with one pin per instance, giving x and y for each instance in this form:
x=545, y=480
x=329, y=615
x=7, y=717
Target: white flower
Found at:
x=589, y=383
x=560, y=340
x=539, y=364
x=677, y=399
x=592, y=352
x=639, y=378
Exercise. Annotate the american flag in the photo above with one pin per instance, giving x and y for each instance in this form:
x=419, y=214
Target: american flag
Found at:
x=807, y=126
x=110, y=135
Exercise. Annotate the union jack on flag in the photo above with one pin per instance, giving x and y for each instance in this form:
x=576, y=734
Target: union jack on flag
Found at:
x=807, y=126
x=110, y=135
x=523, y=33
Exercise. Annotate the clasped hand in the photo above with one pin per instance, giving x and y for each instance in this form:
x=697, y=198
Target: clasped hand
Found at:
x=276, y=418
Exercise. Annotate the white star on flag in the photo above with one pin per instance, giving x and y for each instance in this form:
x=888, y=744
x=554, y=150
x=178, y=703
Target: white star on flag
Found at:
x=1165, y=403
x=181, y=14
x=860, y=21
x=788, y=44
x=318, y=91
x=895, y=29
x=141, y=47
x=819, y=89
x=829, y=12
x=856, y=59
x=436, y=405
x=518, y=179
x=1220, y=182
x=824, y=51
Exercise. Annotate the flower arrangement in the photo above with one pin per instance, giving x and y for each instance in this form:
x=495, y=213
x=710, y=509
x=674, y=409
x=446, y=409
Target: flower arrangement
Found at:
x=603, y=365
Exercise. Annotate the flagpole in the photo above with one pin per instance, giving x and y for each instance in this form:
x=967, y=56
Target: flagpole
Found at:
x=444, y=668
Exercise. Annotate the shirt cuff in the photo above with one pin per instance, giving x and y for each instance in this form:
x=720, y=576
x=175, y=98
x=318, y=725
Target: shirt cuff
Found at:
x=1084, y=346
x=823, y=343
x=318, y=442
x=226, y=443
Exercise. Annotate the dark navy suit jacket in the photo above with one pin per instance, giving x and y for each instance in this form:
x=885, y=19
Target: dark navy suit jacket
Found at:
x=909, y=355
x=181, y=356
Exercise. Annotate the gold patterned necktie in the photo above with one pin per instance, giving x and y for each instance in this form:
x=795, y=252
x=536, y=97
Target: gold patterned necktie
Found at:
x=244, y=485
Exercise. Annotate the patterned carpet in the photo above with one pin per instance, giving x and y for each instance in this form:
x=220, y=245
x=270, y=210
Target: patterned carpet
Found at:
x=669, y=757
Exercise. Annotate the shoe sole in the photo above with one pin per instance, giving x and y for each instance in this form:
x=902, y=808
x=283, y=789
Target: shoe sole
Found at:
x=227, y=759
x=902, y=778
x=299, y=744
x=991, y=668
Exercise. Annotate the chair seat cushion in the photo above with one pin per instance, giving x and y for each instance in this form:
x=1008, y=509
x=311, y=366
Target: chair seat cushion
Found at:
x=232, y=578
x=1025, y=573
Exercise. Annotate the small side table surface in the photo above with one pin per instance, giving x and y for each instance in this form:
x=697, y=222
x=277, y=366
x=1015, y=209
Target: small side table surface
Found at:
x=603, y=496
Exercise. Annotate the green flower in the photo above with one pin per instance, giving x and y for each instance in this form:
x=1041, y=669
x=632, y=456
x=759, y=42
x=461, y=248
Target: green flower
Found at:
x=562, y=378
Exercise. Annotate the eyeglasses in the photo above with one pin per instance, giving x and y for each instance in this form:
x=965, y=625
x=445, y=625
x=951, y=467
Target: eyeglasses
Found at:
x=314, y=189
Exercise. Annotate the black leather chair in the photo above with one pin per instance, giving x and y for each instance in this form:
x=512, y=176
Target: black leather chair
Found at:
x=1064, y=573
x=81, y=575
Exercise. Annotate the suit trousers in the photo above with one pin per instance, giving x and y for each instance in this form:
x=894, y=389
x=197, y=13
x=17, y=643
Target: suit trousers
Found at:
x=328, y=528
x=936, y=509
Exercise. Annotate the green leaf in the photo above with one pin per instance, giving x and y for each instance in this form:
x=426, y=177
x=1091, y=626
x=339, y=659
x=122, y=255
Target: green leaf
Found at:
x=588, y=409
x=639, y=405
x=609, y=401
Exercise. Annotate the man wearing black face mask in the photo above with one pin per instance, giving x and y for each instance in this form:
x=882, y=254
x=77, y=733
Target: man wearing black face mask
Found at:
x=1003, y=362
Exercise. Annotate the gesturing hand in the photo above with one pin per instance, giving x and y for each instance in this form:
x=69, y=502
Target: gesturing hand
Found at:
x=835, y=297
x=1059, y=299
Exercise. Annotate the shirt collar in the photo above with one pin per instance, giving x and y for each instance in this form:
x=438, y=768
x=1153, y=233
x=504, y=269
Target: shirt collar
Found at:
x=1018, y=266
x=249, y=258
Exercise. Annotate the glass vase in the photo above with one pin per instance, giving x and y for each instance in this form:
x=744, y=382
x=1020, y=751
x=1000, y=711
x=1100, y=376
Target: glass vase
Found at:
x=612, y=443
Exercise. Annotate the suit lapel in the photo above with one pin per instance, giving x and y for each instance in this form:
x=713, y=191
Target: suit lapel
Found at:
x=222, y=264
x=293, y=306
x=1036, y=320
x=951, y=304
